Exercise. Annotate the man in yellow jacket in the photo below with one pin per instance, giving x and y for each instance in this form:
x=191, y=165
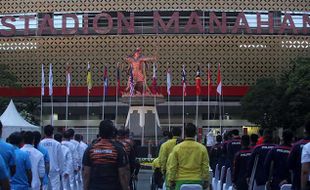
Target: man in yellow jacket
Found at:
x=167, y=147
x=188, y=163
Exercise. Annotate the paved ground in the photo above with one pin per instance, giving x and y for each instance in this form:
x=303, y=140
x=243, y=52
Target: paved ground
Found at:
x=144, y=182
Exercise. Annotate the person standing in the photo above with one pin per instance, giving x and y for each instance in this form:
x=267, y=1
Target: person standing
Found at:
x=68, y=170
x=22, y=178
x=294, y=158
x=257, y=160
x=56, y=157
x=36, y=159
x=188, y=162
x=76, y=158
x=240, y=166
x=74, y=162
x=276, y=162
x=253, y=139
x=4, y=175
x=105, y=163
x=37, y=139
x=216, y=154
x=167, y=147
x=7, y=153
x=233, y=146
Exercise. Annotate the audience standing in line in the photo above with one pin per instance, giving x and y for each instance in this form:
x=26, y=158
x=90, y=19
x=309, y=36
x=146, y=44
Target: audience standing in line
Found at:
x=253, y=140
x=22, y=178
x=216, y=154
x=4, y=175
x=188, y=162
x=56, y=157
x=167, y=147
x=37, y=139
x=294, y=159
x=276, y=162
x=233, y=146
x=7, y=153
x=68, y=171
x=257, y=160
x=240, y=166
x=105, y=163
x=36, y=159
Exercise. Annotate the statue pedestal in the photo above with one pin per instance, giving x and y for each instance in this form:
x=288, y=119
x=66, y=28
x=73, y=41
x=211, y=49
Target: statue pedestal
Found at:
x=143, y=122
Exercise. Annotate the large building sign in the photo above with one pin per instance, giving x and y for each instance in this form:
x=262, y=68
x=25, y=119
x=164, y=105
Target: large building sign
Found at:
x=154, y=22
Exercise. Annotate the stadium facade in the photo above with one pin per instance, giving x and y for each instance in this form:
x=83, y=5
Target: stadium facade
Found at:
x=250, y=39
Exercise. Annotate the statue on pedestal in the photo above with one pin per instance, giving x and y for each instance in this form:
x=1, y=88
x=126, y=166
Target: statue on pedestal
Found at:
x=138, y=64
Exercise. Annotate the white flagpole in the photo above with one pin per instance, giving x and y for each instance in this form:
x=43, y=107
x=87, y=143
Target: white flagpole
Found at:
x=183, y=109
x=220, y=113
x=155, y=121
x=197, y=99
x=67, y=110
x=87, y=124
x=41, y=116
x=169, y=113
x=116, y=105
x=42, y=92
x=52, y=111
x=103, y=98
x=209, y=87
x=143, y=90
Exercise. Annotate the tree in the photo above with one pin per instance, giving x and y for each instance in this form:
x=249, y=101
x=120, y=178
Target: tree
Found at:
x=280, y=103
x=7, y=79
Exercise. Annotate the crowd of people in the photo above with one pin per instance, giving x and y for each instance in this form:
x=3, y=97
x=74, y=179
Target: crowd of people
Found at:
x=64, y=161
x=56, y=161
x=265, y=161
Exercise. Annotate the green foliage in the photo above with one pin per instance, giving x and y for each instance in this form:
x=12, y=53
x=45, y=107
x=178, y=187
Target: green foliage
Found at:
x=7, y=79
x=283, y=103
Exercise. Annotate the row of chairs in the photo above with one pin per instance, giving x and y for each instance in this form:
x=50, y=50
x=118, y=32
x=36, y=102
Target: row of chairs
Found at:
x=222, y=182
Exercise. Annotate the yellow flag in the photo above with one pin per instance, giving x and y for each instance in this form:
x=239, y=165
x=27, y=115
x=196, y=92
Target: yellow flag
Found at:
x=89, y=78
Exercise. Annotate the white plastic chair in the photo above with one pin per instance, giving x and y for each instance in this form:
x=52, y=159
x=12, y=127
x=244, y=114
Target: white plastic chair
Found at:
x=286, y=187
x=216, y=177
x=221, y=180
x=228, y=182
x=191, y=187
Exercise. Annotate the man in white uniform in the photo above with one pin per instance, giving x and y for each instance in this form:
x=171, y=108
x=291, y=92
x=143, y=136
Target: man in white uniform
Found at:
x=75, y=158
x=68, y=165
x=78, y=158
x=36, y=159
x=83, y=147
x=56, y=157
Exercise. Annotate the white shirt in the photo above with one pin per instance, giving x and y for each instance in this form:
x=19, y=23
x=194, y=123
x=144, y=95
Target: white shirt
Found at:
x=305, y=155
x=55, y=154
x=74, y=153
x=37, y=165
x=83, y=147
x=77, y=151
x=68, y=164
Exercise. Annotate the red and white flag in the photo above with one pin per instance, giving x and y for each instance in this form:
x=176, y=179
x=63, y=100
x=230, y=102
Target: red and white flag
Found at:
x=219, y=80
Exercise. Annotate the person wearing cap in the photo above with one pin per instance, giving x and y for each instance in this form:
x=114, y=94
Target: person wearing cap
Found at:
x=105, y=163
x=188, y=162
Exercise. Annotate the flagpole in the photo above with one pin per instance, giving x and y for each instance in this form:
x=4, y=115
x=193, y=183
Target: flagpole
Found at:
x=197, y=99
x=116, y=104
x=155, y=121
x=220, y=113
x=67, y=99
x=52, y=110
x=169, y=113
x=209, y=87
x=87, y=124
x=143, y=90
x=183, y=109
x=41, y=114
x=103, y=100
